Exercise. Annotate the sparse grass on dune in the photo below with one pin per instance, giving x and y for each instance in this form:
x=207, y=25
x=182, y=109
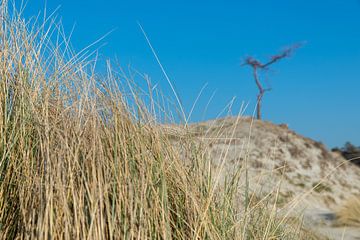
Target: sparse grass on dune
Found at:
x=76, y=163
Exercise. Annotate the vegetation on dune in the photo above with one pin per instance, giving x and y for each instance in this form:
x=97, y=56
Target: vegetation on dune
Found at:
x=77, y=161
x=350, y=152
x=349, y=213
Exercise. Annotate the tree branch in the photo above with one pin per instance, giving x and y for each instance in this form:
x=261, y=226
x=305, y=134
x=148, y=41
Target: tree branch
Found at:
x=255, y=65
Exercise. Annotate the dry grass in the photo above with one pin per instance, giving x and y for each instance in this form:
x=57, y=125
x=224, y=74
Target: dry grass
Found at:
x=79, y=159
x=349, y=213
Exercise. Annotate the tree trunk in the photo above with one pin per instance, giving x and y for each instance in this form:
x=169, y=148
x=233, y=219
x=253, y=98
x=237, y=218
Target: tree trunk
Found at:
x=258, y=105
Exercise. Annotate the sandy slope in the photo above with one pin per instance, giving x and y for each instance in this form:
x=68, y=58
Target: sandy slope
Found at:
x=312, y=181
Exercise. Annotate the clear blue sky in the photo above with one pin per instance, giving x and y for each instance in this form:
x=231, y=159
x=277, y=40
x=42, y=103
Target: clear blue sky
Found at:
x=316, y=91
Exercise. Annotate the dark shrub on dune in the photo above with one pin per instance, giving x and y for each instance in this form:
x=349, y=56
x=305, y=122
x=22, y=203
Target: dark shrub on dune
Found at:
x=349, y=152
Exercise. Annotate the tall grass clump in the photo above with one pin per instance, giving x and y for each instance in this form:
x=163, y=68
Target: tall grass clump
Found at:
x=80, y=159
x=76, y=161
x=349, y=213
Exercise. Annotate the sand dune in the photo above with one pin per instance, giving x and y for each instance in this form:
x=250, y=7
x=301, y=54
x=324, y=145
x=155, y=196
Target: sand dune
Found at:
x=311, y=181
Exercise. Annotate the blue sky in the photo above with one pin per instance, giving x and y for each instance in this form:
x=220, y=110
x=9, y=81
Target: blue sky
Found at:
x=316, y=91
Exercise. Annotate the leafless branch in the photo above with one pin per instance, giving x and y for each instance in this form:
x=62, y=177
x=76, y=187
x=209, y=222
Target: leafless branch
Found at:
x=256, y=65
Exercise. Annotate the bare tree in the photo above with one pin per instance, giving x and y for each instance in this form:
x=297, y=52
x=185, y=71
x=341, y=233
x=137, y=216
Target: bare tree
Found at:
x=256, y=65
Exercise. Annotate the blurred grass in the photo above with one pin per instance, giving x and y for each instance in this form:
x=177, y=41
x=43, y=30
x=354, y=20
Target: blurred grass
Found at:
x=349, y=213
x=80, y=159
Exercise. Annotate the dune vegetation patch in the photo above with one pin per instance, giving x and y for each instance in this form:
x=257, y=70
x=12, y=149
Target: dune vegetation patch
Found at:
x=349, y=213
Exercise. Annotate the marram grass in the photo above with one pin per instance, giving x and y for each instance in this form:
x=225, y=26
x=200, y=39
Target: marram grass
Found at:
x=349, y=213
x=79, y=159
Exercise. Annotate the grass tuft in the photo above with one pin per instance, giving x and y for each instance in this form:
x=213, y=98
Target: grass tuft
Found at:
x=349, y=213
